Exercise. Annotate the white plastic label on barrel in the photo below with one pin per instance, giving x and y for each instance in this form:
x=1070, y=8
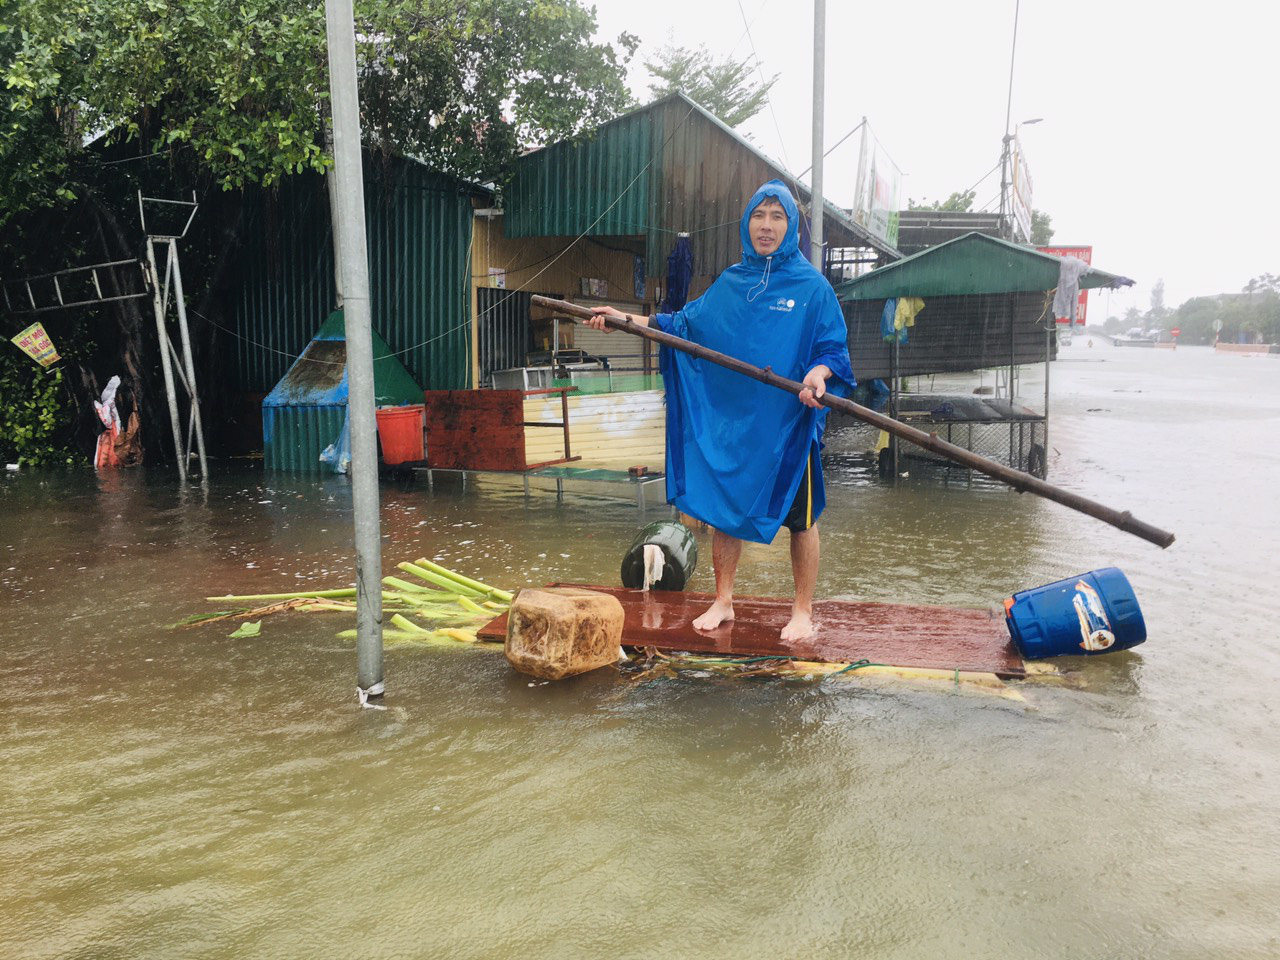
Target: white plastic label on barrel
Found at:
x=1095, y=628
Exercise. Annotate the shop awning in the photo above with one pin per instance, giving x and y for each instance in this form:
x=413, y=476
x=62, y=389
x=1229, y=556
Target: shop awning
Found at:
x=972, y=264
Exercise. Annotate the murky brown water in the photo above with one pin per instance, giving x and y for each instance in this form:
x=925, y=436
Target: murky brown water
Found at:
x=181, y=794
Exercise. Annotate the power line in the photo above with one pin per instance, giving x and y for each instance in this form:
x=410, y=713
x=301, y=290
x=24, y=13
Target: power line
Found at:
x=769, y=100
x=860, y=125
x=983, y=177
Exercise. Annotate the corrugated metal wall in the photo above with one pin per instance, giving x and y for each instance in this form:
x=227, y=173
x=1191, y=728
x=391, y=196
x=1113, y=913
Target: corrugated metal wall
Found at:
x=293, y=437
x=419, y=230
x=286, y=289
x=420, y=273
x=562, y=191
x=700, y=187
x=698, y=183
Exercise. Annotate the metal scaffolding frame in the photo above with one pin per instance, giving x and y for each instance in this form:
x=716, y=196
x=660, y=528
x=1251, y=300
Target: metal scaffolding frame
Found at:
x=170, y=360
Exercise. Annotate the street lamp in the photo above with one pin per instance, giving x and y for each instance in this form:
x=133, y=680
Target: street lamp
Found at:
x=1006, y=221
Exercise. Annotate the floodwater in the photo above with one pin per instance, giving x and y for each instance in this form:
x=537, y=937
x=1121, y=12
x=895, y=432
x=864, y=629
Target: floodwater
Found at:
x=177, y=793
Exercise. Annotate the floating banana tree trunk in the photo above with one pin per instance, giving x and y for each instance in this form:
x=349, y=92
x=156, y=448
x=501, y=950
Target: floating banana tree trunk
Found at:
x=452, y=602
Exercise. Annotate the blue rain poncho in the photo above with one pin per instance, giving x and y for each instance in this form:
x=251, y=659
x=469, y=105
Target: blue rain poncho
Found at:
x=737, y=448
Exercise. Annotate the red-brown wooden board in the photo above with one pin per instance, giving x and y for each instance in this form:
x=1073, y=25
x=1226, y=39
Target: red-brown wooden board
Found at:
x=475, y=429
x=900, y=635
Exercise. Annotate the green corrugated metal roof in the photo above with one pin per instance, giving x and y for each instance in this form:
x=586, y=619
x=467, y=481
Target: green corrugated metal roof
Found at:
x=971, y=264
x=623, y=181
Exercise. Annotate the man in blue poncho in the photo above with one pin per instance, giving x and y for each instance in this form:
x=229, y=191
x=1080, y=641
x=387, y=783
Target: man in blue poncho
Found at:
x=743, y=456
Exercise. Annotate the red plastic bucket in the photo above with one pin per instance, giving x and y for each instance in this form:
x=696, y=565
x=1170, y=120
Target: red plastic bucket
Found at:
x=400, y=430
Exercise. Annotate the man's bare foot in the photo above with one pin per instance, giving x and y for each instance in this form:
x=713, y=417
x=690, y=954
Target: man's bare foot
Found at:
x=719, y=612
x=800, y=627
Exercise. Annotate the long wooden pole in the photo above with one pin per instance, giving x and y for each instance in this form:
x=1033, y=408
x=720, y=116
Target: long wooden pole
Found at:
x=1022, y=482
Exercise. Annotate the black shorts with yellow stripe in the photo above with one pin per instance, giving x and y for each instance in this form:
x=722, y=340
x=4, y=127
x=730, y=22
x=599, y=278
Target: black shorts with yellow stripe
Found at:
x=800, y=517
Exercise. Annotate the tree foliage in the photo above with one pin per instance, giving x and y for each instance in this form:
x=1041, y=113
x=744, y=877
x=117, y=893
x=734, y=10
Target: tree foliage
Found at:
x=960, y=202
x=34, y=422
x=1195, y=319
x=728, y=88
x=1251, y=316
x=1041, y=228
x=240, y=87
x=465, y=84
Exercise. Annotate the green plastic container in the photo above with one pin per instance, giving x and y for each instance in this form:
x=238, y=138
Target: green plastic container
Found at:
x=679, y=554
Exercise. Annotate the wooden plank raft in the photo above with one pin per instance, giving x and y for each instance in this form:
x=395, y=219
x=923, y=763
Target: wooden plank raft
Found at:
x=899, y=635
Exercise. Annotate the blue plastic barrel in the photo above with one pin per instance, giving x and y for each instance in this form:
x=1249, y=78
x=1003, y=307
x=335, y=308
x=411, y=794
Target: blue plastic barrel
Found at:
x=1095, y=612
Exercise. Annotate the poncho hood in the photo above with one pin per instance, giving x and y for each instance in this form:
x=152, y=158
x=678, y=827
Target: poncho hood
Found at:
x=790, y=245
x=737, y=448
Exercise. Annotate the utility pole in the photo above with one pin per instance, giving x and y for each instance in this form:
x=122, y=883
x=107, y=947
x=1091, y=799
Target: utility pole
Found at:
x=1006, y=228
x=819, y=83
x=335, y=216
x=349, y=180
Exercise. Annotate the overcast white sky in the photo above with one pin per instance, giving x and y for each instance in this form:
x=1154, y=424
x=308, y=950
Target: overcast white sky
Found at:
x=1159, y=144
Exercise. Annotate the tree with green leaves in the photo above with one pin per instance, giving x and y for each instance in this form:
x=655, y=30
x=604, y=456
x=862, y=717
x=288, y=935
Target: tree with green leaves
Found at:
x=1196, y=319
x=728, y=88
x=1041, y=228
x=33, y=412
x=1253, y=315
x=238, y=89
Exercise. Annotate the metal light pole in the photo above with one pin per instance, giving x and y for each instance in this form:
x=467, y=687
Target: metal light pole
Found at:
x=1005, y=231
x=1006, y=220
x=356, y=312
x=819, y=79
